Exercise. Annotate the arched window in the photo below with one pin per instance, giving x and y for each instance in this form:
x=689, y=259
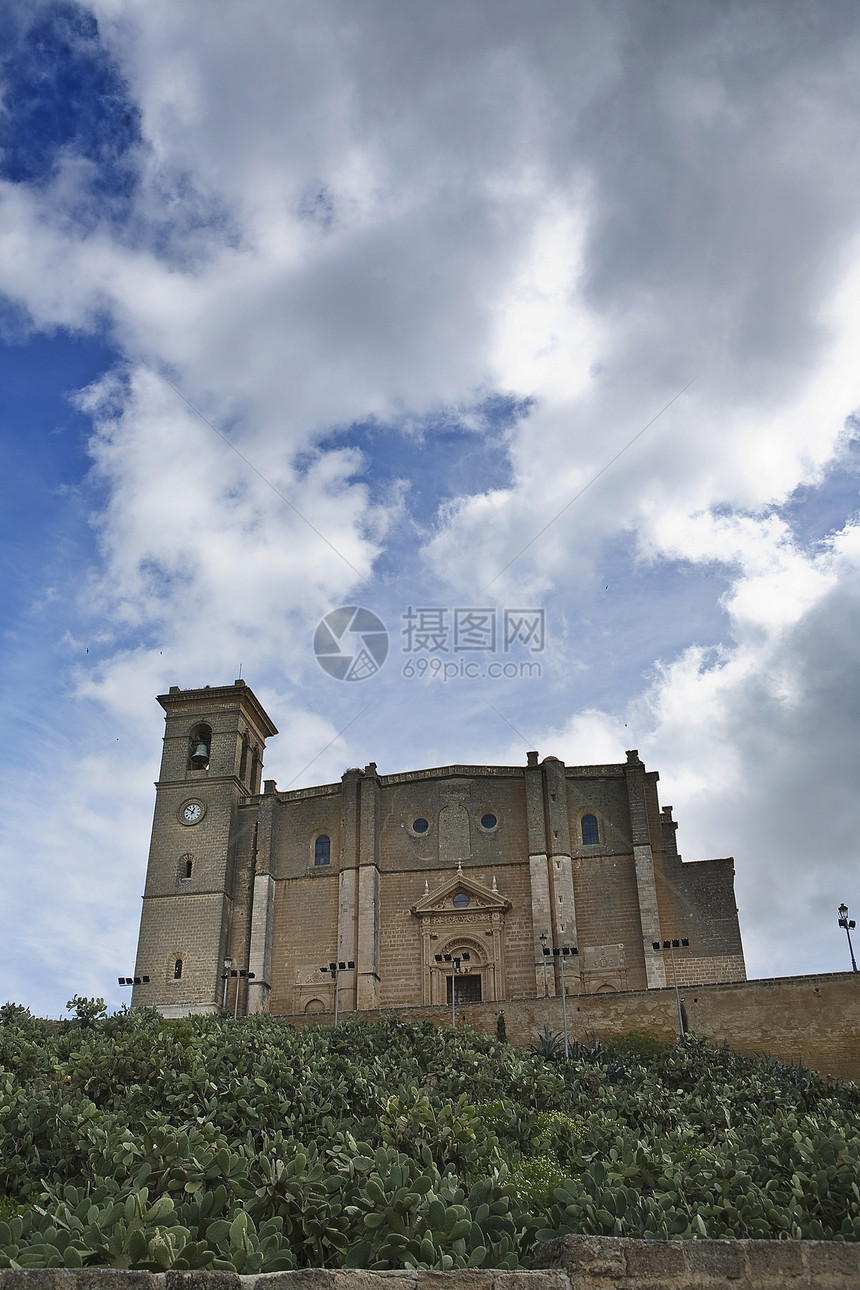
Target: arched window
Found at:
x=199, y=746
x=322, y=849
x=590, y=835
x=243, y=764
x=255, y=771
x=189, y=865
x=177, y=969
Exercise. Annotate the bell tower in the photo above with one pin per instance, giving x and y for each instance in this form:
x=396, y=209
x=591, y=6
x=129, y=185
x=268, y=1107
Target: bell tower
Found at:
x=213, y=758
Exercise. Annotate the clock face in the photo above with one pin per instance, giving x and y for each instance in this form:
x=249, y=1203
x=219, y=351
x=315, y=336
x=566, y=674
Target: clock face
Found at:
x=191, y=812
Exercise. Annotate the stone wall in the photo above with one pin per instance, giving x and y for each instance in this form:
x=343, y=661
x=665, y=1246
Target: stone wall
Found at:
x=573, y=1263
x=810, y=1019
x=613, y=1263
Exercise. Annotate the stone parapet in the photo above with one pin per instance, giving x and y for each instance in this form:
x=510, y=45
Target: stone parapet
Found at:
x=574, y=1263
x=616, y=1263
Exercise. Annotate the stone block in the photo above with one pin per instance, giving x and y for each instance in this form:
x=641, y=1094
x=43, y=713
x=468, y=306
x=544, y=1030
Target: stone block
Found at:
x=78, y=1279
x=200, y=1280
x=832, y=1263
x=773, y=1262
x=719, y=1260
x=654, y=1259
x=466, y=1280
x=584, y=1256
x=529, y=1281
x=301, y=1279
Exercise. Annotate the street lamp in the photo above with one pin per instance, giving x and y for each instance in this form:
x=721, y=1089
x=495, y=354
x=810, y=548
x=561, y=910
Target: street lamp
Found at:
x=671, y=946
x=228, y=963
x=230, y=971
x=334, y=970
x=239, y=972
x=542, y=939
x=848, y=924
x=137, y=980
x=561, y=952
x=455, y=960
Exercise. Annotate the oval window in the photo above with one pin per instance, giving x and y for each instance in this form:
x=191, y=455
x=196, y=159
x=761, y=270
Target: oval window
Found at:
x=488, y=821
x=420, y=825
x=461, y=900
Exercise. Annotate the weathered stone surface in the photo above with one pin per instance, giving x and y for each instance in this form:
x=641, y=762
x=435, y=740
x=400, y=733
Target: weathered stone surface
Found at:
x=80, y=1279
x=575, y=1263
x=654, y=1258
x=304, y=1279
x=597, y=1256
x=479, y=1279
x=199, y=1281
x=835, y=1263
x=333, y=1279
x=723, y=1259
x=778, y=1261
x=529, y=1281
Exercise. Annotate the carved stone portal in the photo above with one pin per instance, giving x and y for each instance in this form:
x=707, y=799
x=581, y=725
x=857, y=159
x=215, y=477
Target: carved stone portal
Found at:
x=462, y=916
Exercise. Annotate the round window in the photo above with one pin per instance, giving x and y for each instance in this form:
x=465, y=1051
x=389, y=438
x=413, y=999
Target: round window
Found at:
x=420, y=825
x=488, y=821
x=461, y=900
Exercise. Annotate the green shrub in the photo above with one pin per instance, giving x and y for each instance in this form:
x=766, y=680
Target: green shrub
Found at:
x=640, y=1044
x=133, y=1141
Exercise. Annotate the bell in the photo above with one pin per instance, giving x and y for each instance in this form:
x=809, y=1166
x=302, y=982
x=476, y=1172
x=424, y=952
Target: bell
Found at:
x=200, y=756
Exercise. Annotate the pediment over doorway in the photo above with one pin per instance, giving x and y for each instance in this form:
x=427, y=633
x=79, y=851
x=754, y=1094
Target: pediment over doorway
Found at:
x=474, y=897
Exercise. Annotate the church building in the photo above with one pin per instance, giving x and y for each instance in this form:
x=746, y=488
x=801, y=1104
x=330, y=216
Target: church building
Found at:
x=499, y=882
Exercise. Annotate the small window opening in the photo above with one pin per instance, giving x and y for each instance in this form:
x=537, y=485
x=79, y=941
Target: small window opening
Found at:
x=488, y=821
x=420, y=825
x=243, y=764
x=189, y=865
x=590, y=835
x=177, y=969
x=322, y=849
x=256, y=771
x=461, y=900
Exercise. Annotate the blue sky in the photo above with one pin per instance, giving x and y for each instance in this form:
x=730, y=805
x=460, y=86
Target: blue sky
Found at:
x=309, y=305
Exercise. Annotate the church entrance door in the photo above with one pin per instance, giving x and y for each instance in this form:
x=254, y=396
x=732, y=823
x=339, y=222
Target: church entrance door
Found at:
x=468, y=988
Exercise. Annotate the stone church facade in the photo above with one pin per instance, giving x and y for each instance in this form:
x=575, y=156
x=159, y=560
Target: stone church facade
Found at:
x=416, y=883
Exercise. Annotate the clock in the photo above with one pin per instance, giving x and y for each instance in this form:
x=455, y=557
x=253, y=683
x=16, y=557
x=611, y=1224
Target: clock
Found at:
x=191, y=812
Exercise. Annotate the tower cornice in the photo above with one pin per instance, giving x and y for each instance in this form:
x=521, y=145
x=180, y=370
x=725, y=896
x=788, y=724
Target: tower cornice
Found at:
x=209, y=694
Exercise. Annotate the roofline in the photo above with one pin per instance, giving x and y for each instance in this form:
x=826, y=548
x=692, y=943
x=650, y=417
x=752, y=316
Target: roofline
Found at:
x=238, y=690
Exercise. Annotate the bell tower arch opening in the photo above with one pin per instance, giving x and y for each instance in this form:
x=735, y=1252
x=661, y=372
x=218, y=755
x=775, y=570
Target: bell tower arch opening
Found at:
x=200, y=744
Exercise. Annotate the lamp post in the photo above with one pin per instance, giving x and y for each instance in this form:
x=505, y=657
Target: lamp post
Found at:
x=240, y=972
x=228, y=963
x=848, y=924
x=561, y=952
x=455, y=960
x=334, y=970
x=230, y=971
x=544, y=956
x=671, y=946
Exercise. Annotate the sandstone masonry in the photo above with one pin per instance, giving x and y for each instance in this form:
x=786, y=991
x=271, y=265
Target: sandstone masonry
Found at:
x=572, y=1263
x=497, y=882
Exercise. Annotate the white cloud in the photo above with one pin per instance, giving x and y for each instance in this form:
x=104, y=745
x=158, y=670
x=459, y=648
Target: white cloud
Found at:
x=383, y=212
